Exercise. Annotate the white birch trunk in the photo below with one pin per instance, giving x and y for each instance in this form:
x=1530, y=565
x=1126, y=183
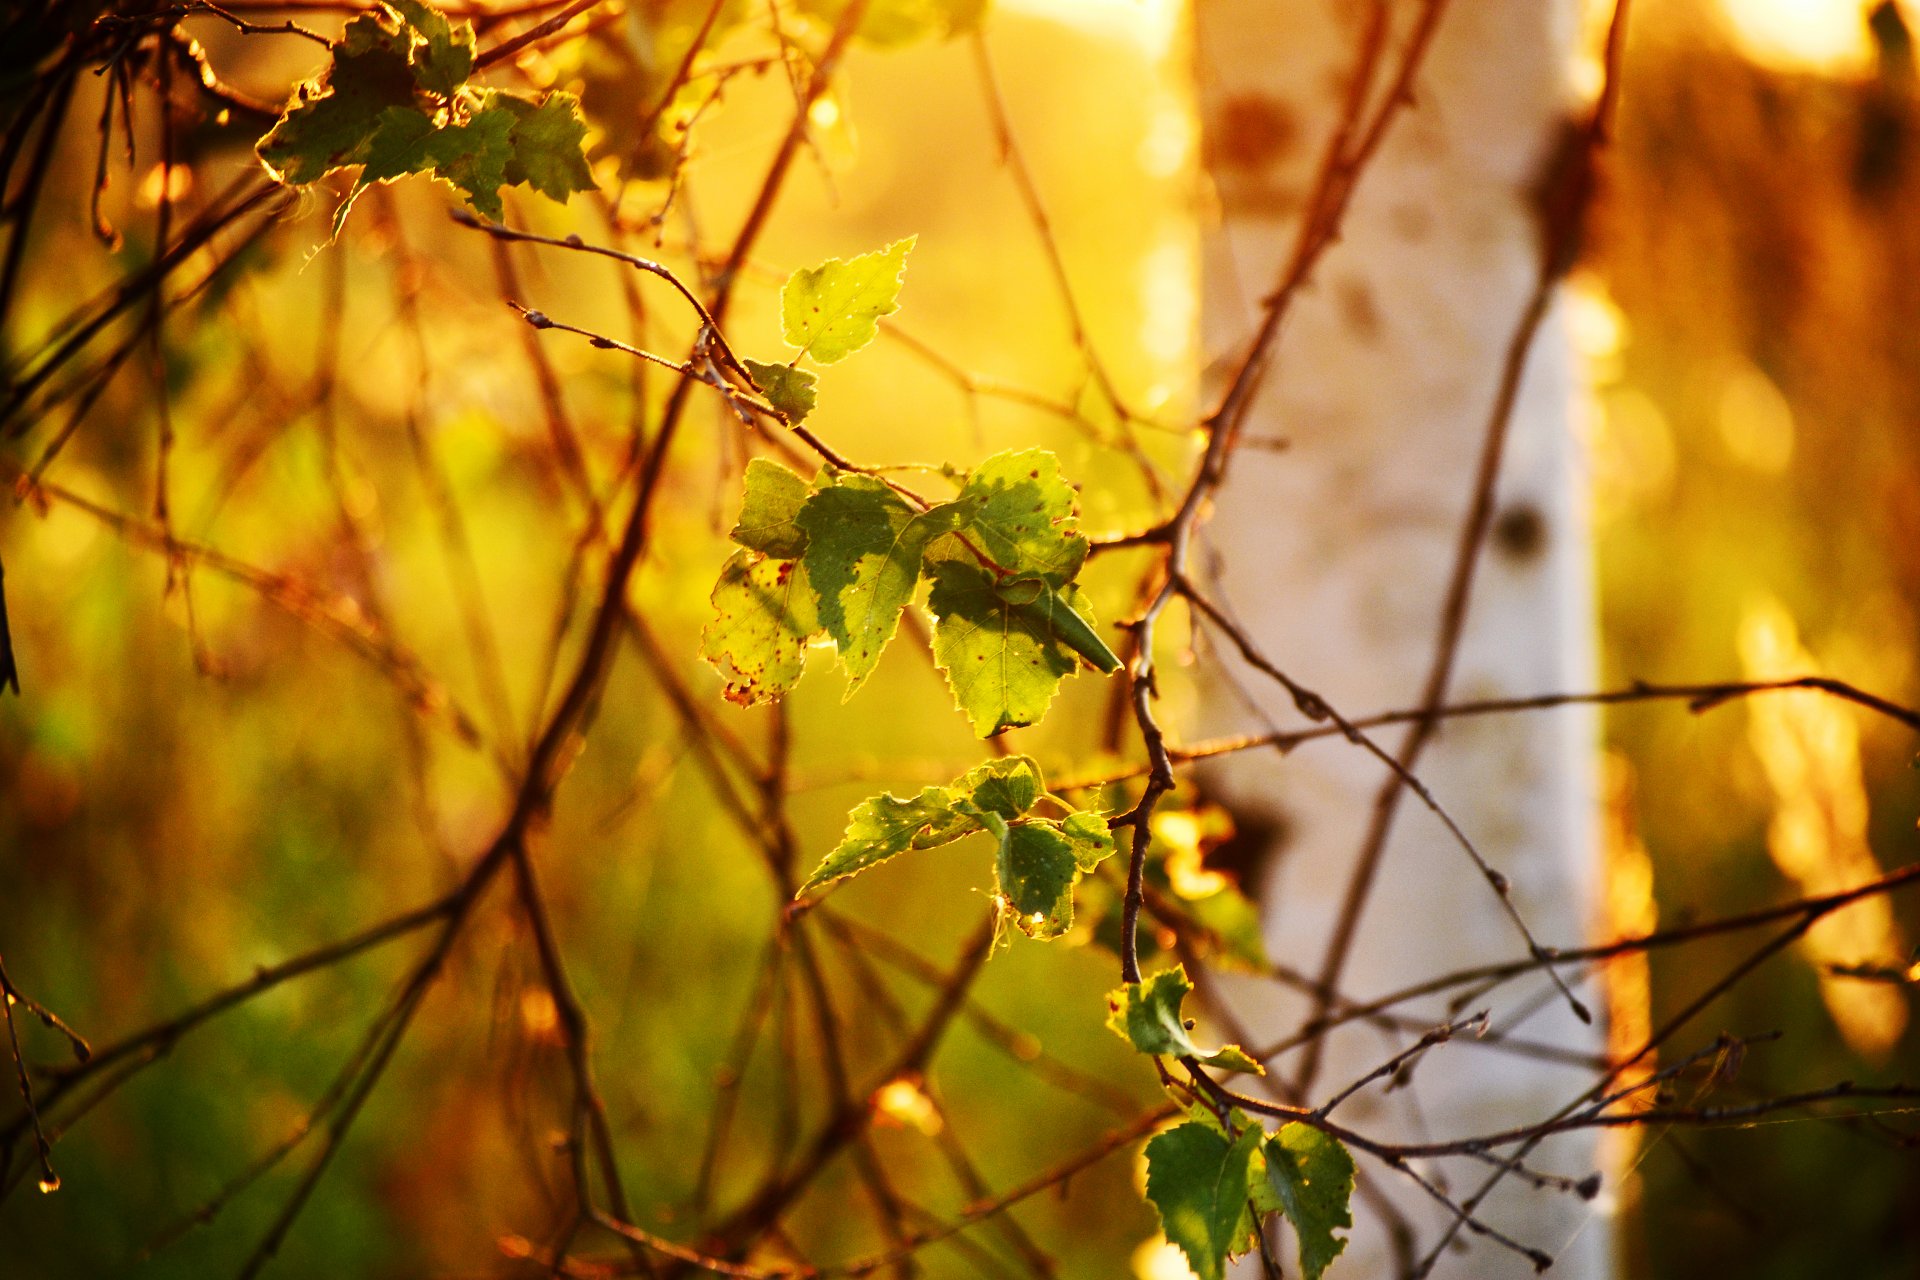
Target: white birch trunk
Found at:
x=1337, y=553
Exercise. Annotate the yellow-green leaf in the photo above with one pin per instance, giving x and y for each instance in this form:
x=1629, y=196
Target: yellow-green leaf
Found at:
x=763, y=618
x=832, y=310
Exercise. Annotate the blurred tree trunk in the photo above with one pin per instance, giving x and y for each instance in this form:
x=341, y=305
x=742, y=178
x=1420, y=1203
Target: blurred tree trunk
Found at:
x=1336, y=554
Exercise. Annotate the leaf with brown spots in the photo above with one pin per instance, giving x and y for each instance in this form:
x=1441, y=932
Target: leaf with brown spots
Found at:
x=1025, y=523
x=764, y=615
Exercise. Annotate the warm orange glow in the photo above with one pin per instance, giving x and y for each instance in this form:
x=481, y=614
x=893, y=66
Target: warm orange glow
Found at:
x=906, y=1105
x=1627, y=911
x=1809, y=749
x=1801, y=35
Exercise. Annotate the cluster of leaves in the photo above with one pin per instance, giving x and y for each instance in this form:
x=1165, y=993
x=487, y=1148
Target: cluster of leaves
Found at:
x=1212, y=1183
x=844, y=556
x=1038, y=862
x=1212, y=1178
x=394, y=101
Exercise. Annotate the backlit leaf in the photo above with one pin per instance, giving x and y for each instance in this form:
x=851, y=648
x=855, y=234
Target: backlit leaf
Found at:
x=789, y=390
x=832, y=310
x=1026, y=524
x=763, y=617
x=885, y=826
x=1199, y=1182
x=1040, y=862
x=548, y=143
x=1310, y=1179
x=333, y=119
x=1003, y=661
x=444, y=58
x=1147, y=1015
x=997, y=792
x=774, y=497
x=864, y=544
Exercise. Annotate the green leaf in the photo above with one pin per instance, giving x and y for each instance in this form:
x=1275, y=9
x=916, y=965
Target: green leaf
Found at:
x=548, y=143
x=1199, y=1182
x=1007, y=787
x=444, y=59
x=763, y=617
x=997, y=791
x=400, y=144
x=1040, y=862
x=864, y=545
x=1147, y=1015
x=470, y=156
x=886, y=826
x=789, y=390
x=474, y=157
x=391, y=103
x=1090, y=837
x=832, y=310
x=333, y=119
x=774, y=497
x=1026, y=522
x=1003, y=661
x=1310, y=1179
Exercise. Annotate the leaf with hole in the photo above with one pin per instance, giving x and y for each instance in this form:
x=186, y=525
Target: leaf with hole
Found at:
x=1147, y=1016
x=1040, y=862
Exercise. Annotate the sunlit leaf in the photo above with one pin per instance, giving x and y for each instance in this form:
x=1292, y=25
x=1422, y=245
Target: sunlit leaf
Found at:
x=1025, y=524
x=548, y=142
x=864, y=544
x=788, y=389
x=444, y=59
x=1199, y=1181
x=1003, y=657
x=1008, y=787
x=1309, y=1178
x=332, y=121
x=774, y=497
x=763, y=617
x=997, y=792
x=1040, y=862
x=832, y=310
x=1147, y=1015
x=885, y=826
